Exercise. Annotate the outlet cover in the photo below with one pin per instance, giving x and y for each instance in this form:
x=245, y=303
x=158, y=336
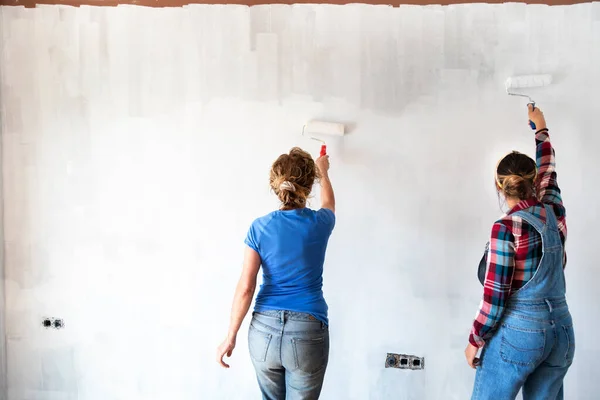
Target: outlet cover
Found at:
x=404, y=361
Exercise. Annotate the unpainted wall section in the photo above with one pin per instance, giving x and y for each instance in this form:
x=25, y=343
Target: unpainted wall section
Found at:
x=136, y=149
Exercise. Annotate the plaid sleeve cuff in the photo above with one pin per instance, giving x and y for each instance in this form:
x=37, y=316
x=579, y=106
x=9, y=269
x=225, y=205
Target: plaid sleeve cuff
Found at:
x=542, y=134
x=476, y=341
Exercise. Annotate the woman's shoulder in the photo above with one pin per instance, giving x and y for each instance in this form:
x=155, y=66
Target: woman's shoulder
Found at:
x=507, y=226
x=265, y=218
x=261, y=222
x=514, y=224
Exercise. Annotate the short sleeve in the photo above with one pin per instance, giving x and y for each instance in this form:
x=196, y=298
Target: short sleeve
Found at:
x=326, y=217
x=251, y=238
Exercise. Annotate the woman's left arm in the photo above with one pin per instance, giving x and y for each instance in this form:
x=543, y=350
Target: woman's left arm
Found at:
x=496, y=289
x=242, y=299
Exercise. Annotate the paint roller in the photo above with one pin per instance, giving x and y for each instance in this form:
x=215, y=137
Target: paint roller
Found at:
x=526, y=82
x=323, y=128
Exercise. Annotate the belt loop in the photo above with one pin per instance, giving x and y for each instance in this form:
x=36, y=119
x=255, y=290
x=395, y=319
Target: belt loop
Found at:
x=282, y=317
x=549, y=304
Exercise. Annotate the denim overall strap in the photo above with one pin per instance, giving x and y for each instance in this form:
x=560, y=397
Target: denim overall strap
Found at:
x=548, y=282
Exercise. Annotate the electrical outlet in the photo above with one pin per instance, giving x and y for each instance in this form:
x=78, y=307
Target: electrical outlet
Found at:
x=55, y=323
x=404, y=361
x=417, y=362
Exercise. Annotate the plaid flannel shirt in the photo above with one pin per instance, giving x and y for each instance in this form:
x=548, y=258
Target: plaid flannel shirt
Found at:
x=515, y=248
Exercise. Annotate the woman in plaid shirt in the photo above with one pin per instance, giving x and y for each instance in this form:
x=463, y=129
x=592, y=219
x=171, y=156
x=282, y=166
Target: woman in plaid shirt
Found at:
x=523, y=326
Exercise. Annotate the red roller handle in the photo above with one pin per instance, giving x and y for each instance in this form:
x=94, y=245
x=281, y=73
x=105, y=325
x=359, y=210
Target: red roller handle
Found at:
x=323, y=150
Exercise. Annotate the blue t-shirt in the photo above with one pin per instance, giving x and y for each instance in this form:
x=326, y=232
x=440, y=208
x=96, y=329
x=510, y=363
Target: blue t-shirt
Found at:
x=292, y=245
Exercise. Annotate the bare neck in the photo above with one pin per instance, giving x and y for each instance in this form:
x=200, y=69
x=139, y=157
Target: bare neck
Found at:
x=511, y=202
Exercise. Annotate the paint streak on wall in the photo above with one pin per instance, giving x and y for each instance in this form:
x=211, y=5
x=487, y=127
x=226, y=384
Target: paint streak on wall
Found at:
x=136, y=147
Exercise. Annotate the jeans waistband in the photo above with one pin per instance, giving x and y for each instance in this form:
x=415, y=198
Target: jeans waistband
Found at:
x=548, y=304
x=287, y=315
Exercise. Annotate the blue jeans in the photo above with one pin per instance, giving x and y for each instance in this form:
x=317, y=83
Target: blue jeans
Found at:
x=289, y=351
x=532, y=350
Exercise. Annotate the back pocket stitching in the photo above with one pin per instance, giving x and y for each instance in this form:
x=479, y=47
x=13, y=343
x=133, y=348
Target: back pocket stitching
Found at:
x=267, y=337
x=537, y=350
x=519, y=348
x=514, y=328
x=317, y=341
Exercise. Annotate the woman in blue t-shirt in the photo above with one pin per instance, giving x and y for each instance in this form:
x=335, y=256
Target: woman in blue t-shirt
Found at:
x=289, y=334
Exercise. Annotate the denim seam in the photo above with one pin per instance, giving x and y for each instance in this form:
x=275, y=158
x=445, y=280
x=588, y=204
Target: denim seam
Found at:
x=542, y=300
x=300, y=319
x=296, y=363
x=519, y=329
x=530, y=307
x=524, y=318
x=322, y=331
x=565, y=328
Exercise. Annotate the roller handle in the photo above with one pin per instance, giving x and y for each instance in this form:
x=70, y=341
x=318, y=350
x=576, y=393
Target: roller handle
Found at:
x=323, y=150
x=531, y=124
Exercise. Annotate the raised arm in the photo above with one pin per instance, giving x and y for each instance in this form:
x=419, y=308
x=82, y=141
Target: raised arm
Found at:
x=327, y=197
x=546, y=184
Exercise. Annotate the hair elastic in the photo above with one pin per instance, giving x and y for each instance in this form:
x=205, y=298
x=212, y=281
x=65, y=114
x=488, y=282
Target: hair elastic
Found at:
x=287, y=185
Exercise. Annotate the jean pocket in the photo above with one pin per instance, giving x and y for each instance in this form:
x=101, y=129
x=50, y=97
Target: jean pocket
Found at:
x=310, y=355
x=522, y=346
x=570, y=341
x=258, y=343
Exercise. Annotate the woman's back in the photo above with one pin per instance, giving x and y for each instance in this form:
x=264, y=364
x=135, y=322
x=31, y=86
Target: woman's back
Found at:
x=524, y=325
x=291, y=245
x=513, y=235
x=288, y=337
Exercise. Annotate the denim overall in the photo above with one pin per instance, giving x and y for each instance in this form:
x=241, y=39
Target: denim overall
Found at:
x=534, y=345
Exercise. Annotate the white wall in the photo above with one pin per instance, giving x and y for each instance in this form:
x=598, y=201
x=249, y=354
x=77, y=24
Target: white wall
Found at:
x=3, y=377
x=136, y=150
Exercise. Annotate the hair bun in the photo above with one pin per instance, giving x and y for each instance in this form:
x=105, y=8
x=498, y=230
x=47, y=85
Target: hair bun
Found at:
x=292, y=177
x=516, y=174
x=517, y=186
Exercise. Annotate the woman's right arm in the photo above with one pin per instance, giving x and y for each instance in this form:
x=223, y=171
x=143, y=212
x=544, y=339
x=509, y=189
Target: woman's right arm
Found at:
x=327, y=196
x=546, y=184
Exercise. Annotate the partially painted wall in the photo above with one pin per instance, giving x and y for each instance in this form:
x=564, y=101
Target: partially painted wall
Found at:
x=136, y=150
x=3, y=377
